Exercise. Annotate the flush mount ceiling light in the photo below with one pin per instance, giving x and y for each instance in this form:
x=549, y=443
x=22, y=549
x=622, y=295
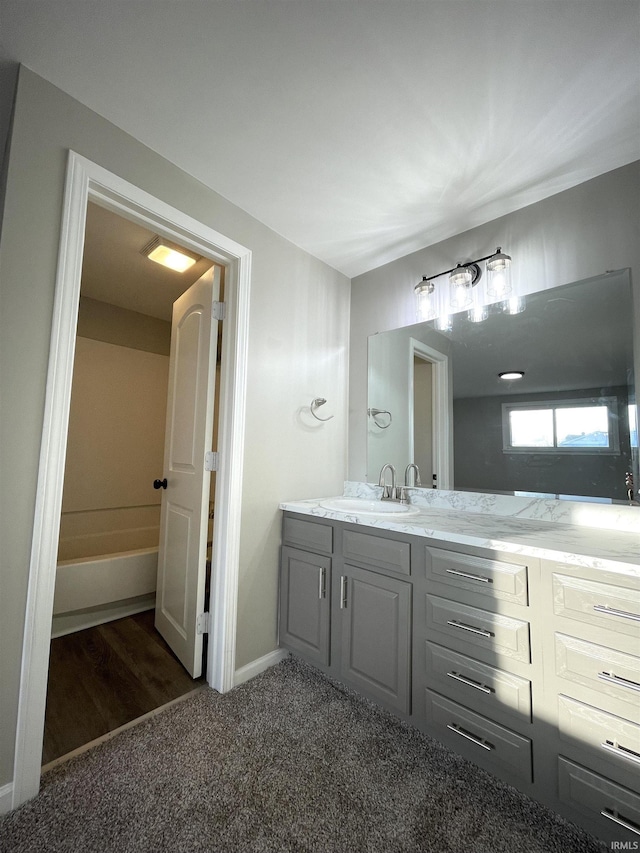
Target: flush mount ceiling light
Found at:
x=462, y=278
x=169, y=254
x=511, y=374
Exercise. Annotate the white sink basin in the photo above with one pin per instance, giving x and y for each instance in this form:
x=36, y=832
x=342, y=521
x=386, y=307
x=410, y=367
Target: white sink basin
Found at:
x=362, y=506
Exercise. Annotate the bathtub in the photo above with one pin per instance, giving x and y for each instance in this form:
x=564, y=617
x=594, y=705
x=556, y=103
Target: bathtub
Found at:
x=93, y=590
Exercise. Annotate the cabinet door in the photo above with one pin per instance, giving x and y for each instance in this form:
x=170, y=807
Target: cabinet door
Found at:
x=304, y=604
x=376, y=625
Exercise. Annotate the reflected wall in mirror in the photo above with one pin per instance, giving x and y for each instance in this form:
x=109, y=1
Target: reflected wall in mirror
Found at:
x=534, y=435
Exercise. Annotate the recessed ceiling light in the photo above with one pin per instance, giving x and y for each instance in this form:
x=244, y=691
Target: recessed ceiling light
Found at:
x=169, y=254
x=512, y=374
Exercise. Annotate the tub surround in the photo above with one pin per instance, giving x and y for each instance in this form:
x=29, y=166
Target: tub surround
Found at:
x=582, y=534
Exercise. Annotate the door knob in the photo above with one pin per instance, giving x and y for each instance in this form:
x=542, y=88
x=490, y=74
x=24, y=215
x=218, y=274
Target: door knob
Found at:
x=160, y=484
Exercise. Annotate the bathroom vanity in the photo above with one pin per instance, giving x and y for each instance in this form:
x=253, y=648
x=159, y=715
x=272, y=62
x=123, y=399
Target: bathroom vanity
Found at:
x=508, y=629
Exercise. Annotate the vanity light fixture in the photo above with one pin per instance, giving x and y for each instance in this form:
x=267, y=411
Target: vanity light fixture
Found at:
x=511, y=374
x=462, y=278
x=169, y=254
x=426, y=300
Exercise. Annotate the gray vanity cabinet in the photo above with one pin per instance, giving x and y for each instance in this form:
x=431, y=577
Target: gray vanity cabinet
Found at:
x=346, y=605
x=305, y=589
x=376, y=636
x=305, y=580
x=527, y=667
x=474, y=661
x=593, y=681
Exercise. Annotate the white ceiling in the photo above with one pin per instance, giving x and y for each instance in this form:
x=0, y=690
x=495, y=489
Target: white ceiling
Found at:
x=361, y=130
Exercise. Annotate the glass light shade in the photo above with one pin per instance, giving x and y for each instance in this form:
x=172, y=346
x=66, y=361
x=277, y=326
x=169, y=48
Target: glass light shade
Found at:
x=478, y=313
x=499, y=261
x=461, y=296
x=514, y=305
x=460, y=276
x=499, y=275
x=426, y=303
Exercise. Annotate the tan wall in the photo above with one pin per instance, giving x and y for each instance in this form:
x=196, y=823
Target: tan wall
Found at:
x=114, y=325
x=298, y=342
x=114, y=450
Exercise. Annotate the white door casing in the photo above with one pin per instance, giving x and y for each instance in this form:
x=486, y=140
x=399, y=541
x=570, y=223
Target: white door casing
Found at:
x=86, y=180
x=442, y=408
x=185, y=501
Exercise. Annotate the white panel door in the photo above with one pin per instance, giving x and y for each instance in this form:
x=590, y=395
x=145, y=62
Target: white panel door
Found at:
x=185, y=501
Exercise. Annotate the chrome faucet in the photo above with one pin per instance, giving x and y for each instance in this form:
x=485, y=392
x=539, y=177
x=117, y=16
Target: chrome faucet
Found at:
x=388, y=491
x=416, y=474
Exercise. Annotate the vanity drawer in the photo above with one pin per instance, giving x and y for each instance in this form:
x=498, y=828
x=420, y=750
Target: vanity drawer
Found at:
x=377, y=552
x=610, y=672
x=482, y=575
x=610, y=739
x=491, y=691
x=486, y=635
x=488, y=744
x=604, y=605
x=614, y=808
x=308, y=535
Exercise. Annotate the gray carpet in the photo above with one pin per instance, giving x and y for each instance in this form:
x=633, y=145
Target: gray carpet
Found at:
x=286, y=762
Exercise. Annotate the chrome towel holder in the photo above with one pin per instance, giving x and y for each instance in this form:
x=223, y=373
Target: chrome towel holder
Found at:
x=375, y=413
x=315, y=404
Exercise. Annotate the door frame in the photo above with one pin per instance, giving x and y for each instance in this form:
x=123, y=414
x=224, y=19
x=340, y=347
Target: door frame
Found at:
x=87, y=181
x=442, y=407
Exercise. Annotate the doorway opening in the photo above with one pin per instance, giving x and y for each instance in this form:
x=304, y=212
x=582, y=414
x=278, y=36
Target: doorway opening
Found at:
x=423, y=419
x=86, y=181
x=108, y=663
x=431, y=413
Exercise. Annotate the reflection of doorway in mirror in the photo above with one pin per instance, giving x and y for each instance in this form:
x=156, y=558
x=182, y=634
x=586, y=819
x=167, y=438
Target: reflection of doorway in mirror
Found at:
x=423, y=417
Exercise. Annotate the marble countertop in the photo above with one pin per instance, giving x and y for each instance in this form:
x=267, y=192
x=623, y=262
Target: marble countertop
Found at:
x=572, y=541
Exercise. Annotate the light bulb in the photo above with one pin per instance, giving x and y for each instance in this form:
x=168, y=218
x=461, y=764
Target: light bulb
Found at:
x=426, y=309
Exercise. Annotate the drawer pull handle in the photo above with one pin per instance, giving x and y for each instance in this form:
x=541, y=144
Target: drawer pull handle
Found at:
x=619, y=680
x=343, y=592
x=481, y=631
x=470, y=682
x=622, y=751
x=611, y=611
x=322, y=582
x=469, y=576
x=454, y=727
x=615, y=817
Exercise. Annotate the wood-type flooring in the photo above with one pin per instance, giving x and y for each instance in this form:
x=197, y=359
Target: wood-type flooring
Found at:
x=104, y=677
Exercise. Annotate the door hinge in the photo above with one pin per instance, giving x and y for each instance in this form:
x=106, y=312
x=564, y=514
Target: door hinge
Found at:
x=218, y=310
x=211, y=460
x=202, y=624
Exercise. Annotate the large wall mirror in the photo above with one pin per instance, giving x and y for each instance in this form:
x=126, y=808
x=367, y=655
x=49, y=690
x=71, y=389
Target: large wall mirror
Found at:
x=567, y=428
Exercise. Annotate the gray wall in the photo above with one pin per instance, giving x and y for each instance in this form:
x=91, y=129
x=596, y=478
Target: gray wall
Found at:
x=298, y=340
x=573, y=235
x=482, y=465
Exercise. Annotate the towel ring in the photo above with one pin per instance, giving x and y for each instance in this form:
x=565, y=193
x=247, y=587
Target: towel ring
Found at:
x=315, y=404
x=374, y=413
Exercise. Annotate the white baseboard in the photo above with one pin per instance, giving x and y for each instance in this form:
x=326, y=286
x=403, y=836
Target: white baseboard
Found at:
x=6, y=798
x=257, y=666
